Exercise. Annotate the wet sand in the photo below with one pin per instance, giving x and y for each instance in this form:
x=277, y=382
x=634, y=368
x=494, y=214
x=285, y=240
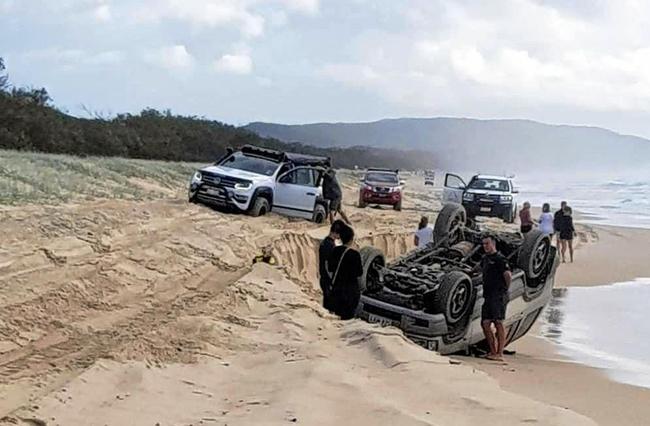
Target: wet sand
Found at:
x=604, y=255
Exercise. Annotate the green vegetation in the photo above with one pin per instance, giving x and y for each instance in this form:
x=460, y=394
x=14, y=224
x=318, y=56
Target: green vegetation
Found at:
x=49, y=178
x=29, y=122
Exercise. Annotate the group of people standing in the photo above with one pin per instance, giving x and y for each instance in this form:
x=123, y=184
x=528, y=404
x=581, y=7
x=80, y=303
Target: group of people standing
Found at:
x=559, y=224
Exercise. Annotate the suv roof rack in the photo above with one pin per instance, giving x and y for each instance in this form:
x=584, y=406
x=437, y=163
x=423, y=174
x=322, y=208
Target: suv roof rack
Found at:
x=279, y=156
x=263, y=152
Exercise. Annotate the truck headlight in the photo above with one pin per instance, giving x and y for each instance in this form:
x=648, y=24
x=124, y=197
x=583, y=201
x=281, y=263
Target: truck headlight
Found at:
x=196, y=177
x=468, y=196
x=243, y=186
x=505, y=199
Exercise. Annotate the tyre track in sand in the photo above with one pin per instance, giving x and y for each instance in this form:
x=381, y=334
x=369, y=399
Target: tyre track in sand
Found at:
x=121, y=274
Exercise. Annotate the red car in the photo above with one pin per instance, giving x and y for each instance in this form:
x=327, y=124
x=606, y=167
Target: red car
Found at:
x=381, y=186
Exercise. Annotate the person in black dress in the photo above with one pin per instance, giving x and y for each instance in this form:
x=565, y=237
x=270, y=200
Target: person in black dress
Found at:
x=324, y=253
x=345, y=269
x=567, y=232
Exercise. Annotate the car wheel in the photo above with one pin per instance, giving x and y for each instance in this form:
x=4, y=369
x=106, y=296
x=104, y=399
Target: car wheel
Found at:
x=454, y=296
x=398, y=207
x=534, y=253
x=509, y=217
x=371, y=260
x=362, y=203
x=319, y=214
x=261, y=207
x=449, y=224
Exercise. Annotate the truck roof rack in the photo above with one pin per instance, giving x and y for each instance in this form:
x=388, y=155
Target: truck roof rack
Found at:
x=271, y=154
x=279, y=156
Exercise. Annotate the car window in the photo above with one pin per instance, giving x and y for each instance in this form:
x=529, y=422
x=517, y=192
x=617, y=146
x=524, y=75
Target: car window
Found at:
x=453, y=181
x=382, y=178
x=250, y=163
x=302, y=176
x=489, y=184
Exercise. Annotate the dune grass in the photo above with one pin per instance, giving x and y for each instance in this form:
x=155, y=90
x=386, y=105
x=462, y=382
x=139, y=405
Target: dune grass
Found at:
x=27, y=177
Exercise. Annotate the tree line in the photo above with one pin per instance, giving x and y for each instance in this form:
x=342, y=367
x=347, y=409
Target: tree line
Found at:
x=29, y=121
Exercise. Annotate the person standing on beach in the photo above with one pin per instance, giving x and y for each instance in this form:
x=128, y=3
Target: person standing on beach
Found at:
x=333, y=193
x=496, y=281
x=324, y=253
x=567, y=232
x=546, y=220
x=525, y=219
x=424, y=234
x=556, y=221
x=345, y=268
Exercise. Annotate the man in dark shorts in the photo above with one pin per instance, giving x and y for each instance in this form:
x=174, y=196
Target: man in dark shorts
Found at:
x=345, y=269
x=333, y=193
x=496, y=280
x=324, y=253
x=557, y=218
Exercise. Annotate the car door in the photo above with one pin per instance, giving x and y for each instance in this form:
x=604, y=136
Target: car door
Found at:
x=454, y=189
x=296, y=192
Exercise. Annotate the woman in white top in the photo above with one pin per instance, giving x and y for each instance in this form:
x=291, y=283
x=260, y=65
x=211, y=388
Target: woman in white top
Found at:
x=546, y=220
x=424, y=234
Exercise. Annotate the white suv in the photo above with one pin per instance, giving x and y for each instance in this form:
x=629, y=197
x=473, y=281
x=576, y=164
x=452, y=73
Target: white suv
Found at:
x=258, y=180
x=485, y=195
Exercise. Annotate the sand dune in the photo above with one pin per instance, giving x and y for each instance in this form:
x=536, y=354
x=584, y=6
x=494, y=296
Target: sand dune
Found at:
x=124, y=312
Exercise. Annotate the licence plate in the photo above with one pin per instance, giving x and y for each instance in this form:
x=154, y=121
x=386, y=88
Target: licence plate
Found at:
x=214, y=192
x=486, y=209
x=379, y=320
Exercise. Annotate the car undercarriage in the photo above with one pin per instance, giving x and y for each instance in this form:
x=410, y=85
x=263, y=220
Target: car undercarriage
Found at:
x=445, y=277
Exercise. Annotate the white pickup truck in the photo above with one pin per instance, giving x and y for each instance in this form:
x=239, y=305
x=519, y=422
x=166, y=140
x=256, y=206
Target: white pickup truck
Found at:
x=484, y=195
x=258, y=180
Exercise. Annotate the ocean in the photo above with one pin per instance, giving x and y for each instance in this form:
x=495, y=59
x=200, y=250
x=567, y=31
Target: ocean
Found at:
x=606, y=199
x=606, y=327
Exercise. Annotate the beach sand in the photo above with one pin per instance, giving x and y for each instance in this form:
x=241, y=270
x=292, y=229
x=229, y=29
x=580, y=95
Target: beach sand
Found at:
x=118, y=312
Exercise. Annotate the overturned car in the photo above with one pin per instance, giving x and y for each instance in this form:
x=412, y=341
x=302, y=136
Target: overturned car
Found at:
x=435, y=294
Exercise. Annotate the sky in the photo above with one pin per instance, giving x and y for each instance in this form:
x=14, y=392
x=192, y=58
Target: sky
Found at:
x=296, y=61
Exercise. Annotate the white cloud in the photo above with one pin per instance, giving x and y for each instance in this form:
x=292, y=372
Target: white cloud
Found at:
x=518, y=53
x=172, y=57
x=5, y=5
x=304, y=6
x=205, y=13
x=102, y=13
x=234, y=64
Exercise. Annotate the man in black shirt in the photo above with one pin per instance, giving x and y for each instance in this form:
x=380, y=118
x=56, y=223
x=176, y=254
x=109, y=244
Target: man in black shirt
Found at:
x=496, y=280
x=557, y=219
x=332, y=192
x=345, y=269
x=324, y=252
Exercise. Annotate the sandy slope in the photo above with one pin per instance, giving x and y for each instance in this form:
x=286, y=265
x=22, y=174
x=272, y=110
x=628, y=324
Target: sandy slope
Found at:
x=123, y=312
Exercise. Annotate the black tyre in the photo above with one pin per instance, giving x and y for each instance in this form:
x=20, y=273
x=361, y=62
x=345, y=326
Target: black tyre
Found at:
x=319, y=214
x=509, y=217
x=261, y=207
x=371, y=259
x=454, y=296
x=362, y=203
x=398, y=207
x=534, y=253
x=449, y=224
